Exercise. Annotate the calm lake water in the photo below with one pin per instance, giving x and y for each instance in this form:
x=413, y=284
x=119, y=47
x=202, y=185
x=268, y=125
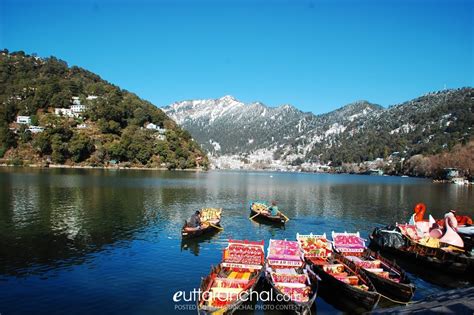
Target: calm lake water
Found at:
x=108, y=242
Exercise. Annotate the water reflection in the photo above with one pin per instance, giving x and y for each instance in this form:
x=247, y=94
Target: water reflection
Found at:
x=106, y=235
x=194, y=244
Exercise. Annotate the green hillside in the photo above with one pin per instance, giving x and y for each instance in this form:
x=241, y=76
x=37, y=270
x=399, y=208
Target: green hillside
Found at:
x=74, y=117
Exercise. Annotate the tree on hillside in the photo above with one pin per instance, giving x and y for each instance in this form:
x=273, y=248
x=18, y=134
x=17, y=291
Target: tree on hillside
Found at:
x=80, y=147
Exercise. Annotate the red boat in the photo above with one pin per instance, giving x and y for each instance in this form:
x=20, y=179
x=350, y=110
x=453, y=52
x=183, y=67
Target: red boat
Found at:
x=231, y=283
x=388, y=278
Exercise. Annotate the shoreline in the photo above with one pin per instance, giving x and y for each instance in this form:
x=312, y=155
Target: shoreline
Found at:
x=63, y=166
x=136, y=168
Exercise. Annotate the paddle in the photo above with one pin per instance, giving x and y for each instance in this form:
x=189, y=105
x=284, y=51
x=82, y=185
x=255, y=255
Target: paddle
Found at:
x=287, y=219
x=215, y=226
x=254, y=216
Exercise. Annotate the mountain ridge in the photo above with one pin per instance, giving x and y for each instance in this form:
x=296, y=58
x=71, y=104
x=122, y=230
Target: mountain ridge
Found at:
x=356, y=132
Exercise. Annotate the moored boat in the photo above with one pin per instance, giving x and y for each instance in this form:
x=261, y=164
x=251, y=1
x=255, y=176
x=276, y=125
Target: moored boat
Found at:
x=398, y=241
x=210, y=222
x=261, y=211
x=336, y=275
x=453, y=228
x=232, y=282
x=387, y=277
x=287, y=275
x=467, y=235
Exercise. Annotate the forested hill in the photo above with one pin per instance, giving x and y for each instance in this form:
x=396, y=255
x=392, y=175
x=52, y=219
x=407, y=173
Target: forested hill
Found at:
x=254, y=135
x=52, y=113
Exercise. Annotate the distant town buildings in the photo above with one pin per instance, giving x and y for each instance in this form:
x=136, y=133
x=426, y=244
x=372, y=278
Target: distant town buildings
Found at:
x=75, y=111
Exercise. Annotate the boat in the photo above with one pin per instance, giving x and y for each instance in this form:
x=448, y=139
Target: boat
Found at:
x=388, y=278
x=210, y=222
x=232, y=282
x=453, y=229
x=467, y=235
x=460, y=224
x=260, y=210
x=287, y=276
x=430, y=254
x=337, y=275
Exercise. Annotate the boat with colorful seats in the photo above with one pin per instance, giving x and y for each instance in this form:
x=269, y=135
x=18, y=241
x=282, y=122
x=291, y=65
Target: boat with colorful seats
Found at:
x=387, y=277
x=210, y=222
x=232, y=282
x=260, y=210
x=337, y=275
x=287, y=275
x=402, y=241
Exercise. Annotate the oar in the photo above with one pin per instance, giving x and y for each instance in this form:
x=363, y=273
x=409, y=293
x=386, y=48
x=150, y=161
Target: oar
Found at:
x=258, y=213
x=287, y=219
x=215, y=226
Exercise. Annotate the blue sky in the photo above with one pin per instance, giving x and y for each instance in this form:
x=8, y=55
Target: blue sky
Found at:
x=316, y=55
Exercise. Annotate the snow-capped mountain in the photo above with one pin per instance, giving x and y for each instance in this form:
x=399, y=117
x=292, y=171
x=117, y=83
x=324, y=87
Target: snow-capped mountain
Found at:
x=256, y=133
x=226, y=126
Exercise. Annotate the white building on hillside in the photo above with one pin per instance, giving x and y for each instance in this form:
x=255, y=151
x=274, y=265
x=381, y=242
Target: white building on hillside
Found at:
x=76, y=100
x=35, y=129
x=78, y=108
x=91, y=97
x=23, y=120
x=154, y=127
x=66, y=112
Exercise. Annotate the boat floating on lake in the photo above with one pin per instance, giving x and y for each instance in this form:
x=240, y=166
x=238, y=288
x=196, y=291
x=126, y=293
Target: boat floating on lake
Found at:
x=261, y=211
x=231, y=282
x=210, y=222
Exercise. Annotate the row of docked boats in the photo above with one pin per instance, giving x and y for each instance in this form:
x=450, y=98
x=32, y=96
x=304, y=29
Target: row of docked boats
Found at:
x=295, y=271
x=344, y=267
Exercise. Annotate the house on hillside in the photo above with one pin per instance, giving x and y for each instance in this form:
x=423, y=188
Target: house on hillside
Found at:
x=66, y=112
x=76, y=100
x=74, y=111
x=450, y=173
x=23, y=120
x=152, y=126
x=35, y=129
x=376, y=172
x=78, y=108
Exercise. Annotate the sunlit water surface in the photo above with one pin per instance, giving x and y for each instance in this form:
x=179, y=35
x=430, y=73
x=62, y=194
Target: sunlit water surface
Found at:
x=108, y=242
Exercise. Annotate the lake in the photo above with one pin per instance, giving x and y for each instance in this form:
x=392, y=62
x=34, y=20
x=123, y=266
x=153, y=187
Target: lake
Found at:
x=108, y=241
